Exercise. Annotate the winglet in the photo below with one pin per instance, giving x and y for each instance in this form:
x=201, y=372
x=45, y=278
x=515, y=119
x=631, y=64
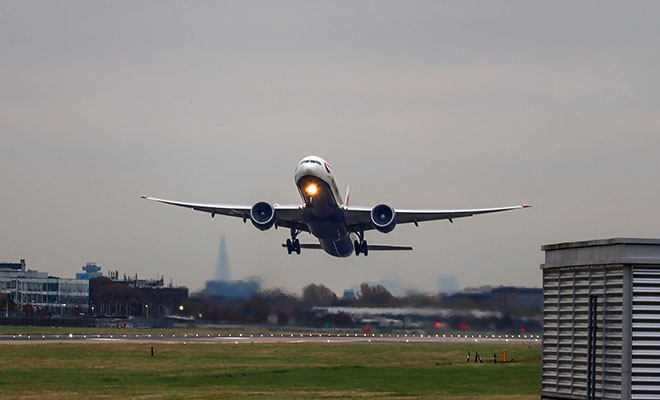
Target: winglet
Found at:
x=144, y=196
x=526, y=206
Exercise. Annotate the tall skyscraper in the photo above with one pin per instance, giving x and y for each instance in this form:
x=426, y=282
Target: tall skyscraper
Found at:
x=222, y=270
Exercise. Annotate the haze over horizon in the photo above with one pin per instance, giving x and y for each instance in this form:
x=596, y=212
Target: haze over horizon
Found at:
x=417, y=104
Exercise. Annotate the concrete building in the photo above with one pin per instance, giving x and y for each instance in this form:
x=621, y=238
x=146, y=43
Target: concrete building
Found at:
x=56, y=296
x=601, y=320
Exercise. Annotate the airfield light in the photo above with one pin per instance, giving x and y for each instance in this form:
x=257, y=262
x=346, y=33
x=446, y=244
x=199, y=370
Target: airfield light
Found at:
x=180, y=308
x=438, y=324
x=311, y=189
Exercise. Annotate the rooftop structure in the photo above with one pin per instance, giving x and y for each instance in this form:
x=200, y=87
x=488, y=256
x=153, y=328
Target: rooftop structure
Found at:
x=20, y=266
x=135, y=282
x=601, y=313
x=91, y=271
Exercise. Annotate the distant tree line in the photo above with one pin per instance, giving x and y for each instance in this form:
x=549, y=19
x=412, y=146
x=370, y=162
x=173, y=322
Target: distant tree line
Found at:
x=275, y=306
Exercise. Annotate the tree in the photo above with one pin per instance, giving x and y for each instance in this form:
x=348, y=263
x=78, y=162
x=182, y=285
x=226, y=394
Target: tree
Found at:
x=28, y=310
x=122, y=297
x=318, y=296
x=376, y=296
x=4, y=303
x=256, y=310
x=416, y=299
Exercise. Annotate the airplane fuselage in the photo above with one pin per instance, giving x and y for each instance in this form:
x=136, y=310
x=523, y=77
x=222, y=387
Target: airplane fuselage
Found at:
x=323, y=209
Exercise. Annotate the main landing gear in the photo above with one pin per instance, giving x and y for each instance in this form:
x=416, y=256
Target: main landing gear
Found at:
x=293, y=244
x=361, y=246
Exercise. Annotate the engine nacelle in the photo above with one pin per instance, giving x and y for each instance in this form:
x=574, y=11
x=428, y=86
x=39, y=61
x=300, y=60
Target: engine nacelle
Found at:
x=262, y=215
x=383, y=217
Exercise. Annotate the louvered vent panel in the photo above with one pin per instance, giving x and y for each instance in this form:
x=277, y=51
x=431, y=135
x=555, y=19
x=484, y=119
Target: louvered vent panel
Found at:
x=645, y=377
x=566, y=294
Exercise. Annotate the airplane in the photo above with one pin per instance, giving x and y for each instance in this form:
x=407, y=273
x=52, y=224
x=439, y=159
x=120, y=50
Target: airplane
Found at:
x=338, y=227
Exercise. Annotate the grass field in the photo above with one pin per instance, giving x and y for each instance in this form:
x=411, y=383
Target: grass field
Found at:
x=81, y=371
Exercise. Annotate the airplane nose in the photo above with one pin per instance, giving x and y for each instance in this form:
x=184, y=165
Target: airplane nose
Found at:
x=305, y=169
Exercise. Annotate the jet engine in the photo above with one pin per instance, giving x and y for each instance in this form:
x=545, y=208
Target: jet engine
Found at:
x=383, y=218
x=262, y=215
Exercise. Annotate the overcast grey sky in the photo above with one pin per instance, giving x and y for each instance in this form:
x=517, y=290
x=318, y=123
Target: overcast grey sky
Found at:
x=416, y=104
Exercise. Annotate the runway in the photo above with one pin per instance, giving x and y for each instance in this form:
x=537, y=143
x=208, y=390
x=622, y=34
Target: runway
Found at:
x=269, y=338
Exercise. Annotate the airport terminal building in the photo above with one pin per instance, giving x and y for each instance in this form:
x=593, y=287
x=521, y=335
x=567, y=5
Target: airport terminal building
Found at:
x=61, y=297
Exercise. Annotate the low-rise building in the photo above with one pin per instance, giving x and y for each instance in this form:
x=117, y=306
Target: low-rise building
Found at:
x=52, y=295
x=134, y=297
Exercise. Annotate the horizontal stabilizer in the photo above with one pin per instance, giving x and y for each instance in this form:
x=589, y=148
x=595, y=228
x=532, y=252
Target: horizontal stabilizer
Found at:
x=387, y=247
x=314, y=246
x=372, y=247
x=309, y=246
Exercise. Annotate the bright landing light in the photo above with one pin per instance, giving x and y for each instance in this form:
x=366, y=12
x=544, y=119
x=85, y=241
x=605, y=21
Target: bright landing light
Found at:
x=311, y=189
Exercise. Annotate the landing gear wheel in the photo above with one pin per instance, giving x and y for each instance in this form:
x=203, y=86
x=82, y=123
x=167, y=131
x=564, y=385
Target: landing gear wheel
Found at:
x=361, y=247
x=293, y=244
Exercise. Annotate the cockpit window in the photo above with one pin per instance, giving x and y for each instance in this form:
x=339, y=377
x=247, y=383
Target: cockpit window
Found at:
x=310, y=161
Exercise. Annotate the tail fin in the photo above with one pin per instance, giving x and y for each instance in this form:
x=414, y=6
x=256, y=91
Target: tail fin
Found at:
x=348, y=195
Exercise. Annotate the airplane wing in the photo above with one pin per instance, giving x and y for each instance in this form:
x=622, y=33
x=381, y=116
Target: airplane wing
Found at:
x=359, y=218
x=286, y=216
